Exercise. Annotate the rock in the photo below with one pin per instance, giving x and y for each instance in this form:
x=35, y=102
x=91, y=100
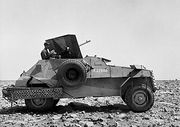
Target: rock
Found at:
x=89, y=124
x=96, y=119
x=86, y=123
x=83, y=112
x=133, y=126
x=100, y=99
x=159, y=121
x=177, y=117
x=108, y=102
x=56, y=117
x=8, y=121
x=112, y=123
x=146, y=117
x=77, y=125
x=103, y=124
x=20, y=122
x=164, y=110
x=110, y=116
x=73, y=115
x=67, y=124
x=122, y=115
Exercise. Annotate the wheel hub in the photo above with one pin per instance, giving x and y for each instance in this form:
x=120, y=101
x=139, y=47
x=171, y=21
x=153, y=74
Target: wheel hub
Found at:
x=140, y=97
x=38, y=101
x=72, y=74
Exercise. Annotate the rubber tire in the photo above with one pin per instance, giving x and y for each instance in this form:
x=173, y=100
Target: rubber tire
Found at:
x=124, y=95
x=78, y=67
x=131, y=102
x=49, y=102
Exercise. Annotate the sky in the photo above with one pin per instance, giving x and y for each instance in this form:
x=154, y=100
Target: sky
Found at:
x=144, y=32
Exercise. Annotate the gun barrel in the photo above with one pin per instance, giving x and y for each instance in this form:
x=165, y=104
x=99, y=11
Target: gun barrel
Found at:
x=85, y=43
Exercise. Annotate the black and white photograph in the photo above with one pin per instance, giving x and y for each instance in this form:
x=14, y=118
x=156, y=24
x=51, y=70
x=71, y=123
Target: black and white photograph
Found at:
x=90, y=63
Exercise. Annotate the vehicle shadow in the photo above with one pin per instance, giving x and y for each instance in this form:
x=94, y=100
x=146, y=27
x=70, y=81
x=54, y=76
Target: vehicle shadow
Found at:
x=71, y=107
x=76, y=106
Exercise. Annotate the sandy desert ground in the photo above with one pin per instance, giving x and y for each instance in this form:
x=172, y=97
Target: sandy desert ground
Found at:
x=97, y=112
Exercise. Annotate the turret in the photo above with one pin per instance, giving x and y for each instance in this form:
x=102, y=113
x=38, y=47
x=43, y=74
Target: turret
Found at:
x=66, y=46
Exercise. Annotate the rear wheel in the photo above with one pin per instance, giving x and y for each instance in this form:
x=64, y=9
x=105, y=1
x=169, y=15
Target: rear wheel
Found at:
x=139, y=99
x=39, y=104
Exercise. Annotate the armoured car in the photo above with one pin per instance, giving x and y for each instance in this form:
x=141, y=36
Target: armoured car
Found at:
x=70, y=75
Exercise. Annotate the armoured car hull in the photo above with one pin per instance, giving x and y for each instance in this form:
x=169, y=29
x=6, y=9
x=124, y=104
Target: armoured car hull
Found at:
x=49, y=80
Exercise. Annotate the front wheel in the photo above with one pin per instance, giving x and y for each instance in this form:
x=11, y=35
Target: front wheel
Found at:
x=39, y=104
x=139, y=98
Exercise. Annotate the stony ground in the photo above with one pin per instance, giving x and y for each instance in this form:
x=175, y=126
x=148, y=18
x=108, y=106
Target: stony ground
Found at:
x=98, y=112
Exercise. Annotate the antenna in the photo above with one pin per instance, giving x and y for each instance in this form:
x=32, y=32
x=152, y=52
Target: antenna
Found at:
x=85, y=42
